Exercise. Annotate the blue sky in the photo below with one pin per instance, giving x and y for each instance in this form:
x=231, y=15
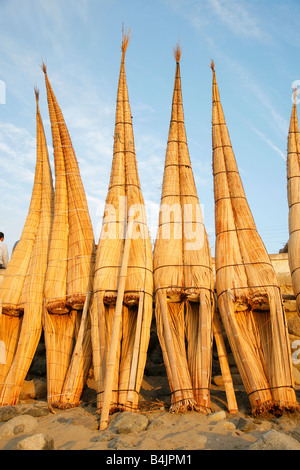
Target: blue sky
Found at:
x=255, y=46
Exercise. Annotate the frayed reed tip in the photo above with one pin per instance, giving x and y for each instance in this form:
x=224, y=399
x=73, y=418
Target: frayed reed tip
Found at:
x=37, y=92
x=126, y=39
x=44, y=68
x=178, y=52
x=212, y=65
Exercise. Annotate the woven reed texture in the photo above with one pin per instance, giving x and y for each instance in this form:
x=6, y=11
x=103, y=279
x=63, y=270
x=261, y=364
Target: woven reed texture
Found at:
x=293, y=191
x=249, y=297
x=124, y=221
x=70, y=269
x=27, y=328
x=182, y=272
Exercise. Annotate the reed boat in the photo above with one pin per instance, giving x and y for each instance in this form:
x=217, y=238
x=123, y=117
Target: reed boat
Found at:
x=248, y=293
x=183, y=276
x=69, y=273
x=21, y=291
x=121, y=308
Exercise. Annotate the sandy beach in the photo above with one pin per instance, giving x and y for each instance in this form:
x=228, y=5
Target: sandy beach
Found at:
x=153, y=428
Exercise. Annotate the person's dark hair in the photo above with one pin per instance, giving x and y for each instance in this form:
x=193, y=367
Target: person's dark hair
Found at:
x=1, y=235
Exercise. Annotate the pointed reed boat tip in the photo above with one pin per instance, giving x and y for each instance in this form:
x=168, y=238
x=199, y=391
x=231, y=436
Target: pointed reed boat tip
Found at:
x=178, y=52
x=126, y=39
x=44, y=68
x=37, y=92
x=212, y=65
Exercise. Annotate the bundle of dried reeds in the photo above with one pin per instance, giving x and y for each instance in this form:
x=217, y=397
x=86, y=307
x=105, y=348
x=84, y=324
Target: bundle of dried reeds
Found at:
x=121, y=310
x=293, y=190
x=249, y=297
x=183, y=277
x=70, y=268
x=30, y=299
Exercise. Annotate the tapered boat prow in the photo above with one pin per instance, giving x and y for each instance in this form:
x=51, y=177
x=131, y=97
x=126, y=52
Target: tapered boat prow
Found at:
x=12, y=311
x=76, y=306
x=130, y=298
x=76, y=302
x=179, y=294
x=57, y=308
x=174, y=294
x=258, y=303
x=192, y=295
x=110, y=298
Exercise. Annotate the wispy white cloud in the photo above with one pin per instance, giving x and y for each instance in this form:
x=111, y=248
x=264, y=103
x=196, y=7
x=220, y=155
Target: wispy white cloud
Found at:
x=17, y=163
x=257, y=94
x=235, y=15
x=18, y=152
x=270, y=143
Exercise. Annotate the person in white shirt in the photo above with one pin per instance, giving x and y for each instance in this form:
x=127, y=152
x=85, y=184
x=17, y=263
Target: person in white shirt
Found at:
x=3, y=252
